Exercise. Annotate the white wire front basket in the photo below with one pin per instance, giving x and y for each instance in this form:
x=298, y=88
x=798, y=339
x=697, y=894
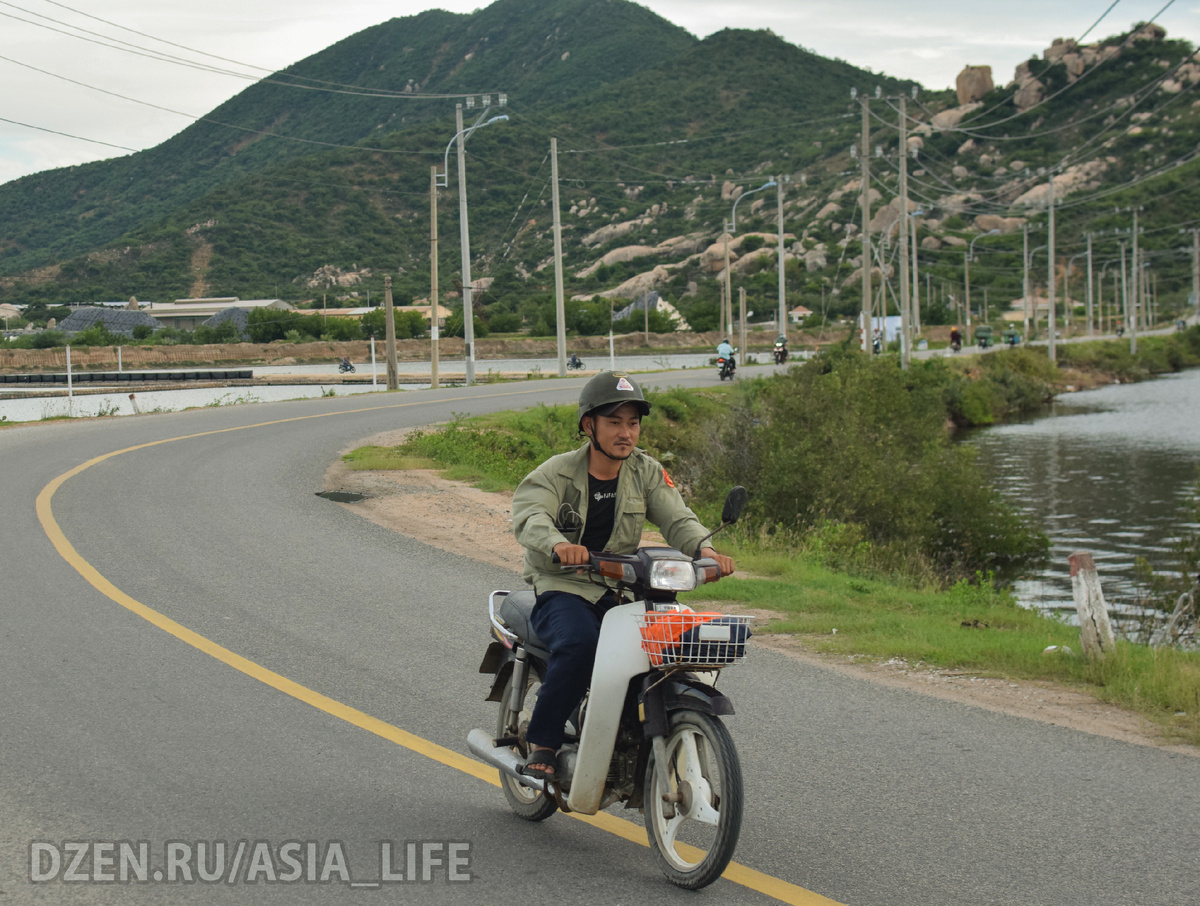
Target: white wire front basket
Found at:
x=684, y=638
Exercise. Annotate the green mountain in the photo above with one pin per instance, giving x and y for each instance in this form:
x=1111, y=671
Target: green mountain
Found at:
x=308, y=185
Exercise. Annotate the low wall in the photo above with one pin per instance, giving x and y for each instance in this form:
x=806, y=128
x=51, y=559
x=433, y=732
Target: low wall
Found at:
x=282, y=353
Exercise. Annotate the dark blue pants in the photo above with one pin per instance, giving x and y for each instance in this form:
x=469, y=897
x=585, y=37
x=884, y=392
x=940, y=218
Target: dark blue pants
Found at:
x=569, y=626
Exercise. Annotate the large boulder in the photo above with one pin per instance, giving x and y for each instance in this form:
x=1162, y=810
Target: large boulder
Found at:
x=985, y=223
x=1076, y=178
x=948, y=119
x=618, y=256
x=1029, y=95
x=815, y=259
x=973, y=83
x=1059, y=48
x=638, y=286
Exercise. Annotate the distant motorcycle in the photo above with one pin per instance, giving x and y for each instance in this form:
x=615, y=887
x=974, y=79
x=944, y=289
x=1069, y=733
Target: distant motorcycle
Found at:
x=781, y=353
x=575, y=364
x=726, y=367
x=344, y=367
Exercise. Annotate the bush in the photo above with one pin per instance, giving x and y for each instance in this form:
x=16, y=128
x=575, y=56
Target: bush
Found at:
x=854, y=441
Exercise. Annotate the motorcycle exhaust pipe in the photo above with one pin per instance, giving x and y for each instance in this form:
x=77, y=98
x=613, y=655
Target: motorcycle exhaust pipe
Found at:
x=483, y=747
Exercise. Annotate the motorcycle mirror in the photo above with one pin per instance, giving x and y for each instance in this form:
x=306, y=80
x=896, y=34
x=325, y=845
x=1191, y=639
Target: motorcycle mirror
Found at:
x=735, y=502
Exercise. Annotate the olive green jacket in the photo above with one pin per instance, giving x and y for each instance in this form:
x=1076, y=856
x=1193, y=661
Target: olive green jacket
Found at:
x=550, y=506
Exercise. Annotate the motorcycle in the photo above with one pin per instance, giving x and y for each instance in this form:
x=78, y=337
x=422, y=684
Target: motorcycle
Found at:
x=726, y=366
x=649, y=732
x=344, y=367
x=781, y=353
x=574, y=364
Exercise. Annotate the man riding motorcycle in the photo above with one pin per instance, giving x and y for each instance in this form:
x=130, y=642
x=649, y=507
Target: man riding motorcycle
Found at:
x=594, y=498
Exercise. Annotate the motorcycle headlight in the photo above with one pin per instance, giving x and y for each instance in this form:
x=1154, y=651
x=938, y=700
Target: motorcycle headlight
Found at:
x=672, y=575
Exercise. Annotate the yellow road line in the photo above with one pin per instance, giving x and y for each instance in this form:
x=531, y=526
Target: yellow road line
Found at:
x=739, y=874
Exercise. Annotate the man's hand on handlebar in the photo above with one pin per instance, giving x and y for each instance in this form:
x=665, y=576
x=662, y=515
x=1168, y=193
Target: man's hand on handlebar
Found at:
x=726, y=563
x=572, y=554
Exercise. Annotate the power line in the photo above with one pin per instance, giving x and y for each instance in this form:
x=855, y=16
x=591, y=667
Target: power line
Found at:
x=94, y=141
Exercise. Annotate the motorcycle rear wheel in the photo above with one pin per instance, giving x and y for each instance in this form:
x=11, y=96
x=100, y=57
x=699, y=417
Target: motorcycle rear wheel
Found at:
x=693, y=802
x=528, y=803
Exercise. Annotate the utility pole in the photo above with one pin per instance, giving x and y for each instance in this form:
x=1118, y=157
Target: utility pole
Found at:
x=728, y=297
x=1051, y=281
x=783, y=320
x=389, y=320
x=905, y=320
x=434, y=307
x=1025, y=279
x=1124, y=289
x=1091, y=318
x=1137, y=278
x=560, y=315
x=464, y=236
x=967, y=294
x=866, y=226
x=916, y=285
x=1196, y=270
x=742, y=324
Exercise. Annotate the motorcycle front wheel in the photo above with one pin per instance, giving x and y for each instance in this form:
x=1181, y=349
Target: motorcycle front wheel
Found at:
x=528, y=803
x=693, y=801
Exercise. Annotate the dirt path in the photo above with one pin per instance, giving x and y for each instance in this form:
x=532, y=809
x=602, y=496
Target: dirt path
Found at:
x=477, y=524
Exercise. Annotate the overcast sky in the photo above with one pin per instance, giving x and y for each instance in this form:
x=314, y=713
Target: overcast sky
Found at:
x=925, y=40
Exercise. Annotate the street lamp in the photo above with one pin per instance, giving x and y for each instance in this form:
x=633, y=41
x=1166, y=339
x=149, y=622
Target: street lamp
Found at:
x=730, y=228
x=468, y=307
x=967, y=259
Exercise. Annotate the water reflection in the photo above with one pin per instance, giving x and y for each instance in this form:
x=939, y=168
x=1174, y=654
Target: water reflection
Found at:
x=1111, y=471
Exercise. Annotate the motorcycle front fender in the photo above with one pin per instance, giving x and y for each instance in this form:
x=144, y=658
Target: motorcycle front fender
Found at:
x=682, y=692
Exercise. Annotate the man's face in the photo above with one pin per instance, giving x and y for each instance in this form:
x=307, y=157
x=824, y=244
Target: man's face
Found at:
x=616, y=434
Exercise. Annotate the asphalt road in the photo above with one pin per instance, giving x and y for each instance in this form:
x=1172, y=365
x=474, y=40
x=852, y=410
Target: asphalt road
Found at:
x=195, y=649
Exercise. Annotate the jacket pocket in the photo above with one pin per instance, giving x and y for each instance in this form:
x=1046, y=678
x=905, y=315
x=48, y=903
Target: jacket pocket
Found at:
x=627, y=532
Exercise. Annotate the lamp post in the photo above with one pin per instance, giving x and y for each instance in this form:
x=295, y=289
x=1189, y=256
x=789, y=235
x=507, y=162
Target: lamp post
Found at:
x=468, y=307
x=967, y=259
x=730, y=228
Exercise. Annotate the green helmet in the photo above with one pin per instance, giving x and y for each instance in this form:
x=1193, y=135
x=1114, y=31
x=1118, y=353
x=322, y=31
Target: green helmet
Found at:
x=604, y=394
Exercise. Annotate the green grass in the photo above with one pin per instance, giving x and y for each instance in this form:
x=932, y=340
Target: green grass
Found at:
x=839, y=613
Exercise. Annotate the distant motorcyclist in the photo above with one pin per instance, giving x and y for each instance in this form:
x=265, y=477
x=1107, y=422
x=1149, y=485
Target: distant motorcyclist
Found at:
x=574, y=362
x=781, y=349
x=955, y=339
x=724, y=349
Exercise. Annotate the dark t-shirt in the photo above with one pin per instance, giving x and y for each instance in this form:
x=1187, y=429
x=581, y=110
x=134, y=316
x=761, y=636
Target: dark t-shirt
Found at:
x=602, y=509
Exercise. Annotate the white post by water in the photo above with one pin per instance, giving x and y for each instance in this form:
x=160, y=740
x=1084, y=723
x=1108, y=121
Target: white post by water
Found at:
x=1095, y=630
x=373, y=378
x=118, y=360
x=70, y=392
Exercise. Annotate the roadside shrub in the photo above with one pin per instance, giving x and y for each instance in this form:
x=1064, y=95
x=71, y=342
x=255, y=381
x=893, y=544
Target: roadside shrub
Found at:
x=849, y=440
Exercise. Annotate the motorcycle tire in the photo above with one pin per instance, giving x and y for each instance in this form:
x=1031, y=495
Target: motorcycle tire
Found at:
x=695, y=799
x=526, y=802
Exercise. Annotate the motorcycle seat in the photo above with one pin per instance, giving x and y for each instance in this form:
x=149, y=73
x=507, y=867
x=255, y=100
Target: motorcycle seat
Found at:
x=515, y=610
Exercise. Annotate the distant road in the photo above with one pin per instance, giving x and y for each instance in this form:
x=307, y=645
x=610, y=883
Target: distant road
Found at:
x=195, y=647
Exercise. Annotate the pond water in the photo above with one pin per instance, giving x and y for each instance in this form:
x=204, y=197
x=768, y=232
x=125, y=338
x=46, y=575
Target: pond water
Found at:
x=1111, y=471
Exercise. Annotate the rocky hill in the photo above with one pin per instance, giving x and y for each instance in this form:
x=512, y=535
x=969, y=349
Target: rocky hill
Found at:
x=658, y=134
